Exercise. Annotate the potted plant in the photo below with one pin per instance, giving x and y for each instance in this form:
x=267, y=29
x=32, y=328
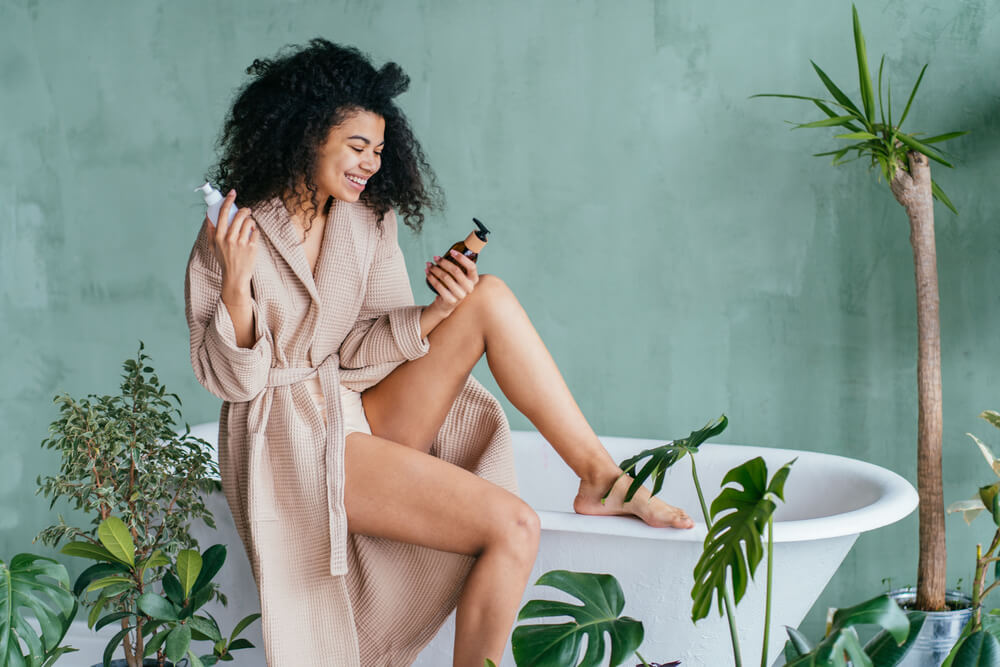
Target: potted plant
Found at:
x=121, y=457
x=39, y=585
x=165, y=623
x=871, y=131
x=982, y=632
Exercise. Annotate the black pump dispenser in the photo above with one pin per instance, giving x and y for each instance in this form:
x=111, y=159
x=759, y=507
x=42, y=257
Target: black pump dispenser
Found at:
x=482, y=231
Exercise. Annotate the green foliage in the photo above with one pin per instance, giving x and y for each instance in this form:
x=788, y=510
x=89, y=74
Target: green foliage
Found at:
x=41, y=586
x=122, y=457
x=733, y=547
x=842, y=642
x=663, y=457
x=559, y=645
x=885, y=650
x=173, y=622
x=980, y=640
x=123, y=464
x=876, y=137
x=660, y=460
x=163, y=625
x=986, y=497
x=979, y=649
x=732, y=550
x=114, y=535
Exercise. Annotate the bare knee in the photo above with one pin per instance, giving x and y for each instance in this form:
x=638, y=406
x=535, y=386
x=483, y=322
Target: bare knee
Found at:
x=483, y=300
x=516, y=532
x=493, y=302
x=492, y=287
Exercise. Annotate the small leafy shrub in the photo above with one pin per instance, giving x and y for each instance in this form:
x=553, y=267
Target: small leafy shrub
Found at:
x=122, y=459
x=161, y=625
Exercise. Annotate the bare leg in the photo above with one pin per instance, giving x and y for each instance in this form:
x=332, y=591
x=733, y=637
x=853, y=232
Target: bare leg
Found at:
x=410, y=404
x=395, y=492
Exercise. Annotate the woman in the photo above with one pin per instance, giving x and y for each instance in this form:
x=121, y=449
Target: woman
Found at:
x=369, y=474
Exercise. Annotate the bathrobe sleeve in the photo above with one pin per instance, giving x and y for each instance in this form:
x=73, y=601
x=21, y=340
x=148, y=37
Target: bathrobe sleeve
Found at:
x=388, y=325
x=230, y=372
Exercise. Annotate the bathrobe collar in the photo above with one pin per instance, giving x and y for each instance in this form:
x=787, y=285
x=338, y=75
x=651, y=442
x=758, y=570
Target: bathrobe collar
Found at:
x=344, y=220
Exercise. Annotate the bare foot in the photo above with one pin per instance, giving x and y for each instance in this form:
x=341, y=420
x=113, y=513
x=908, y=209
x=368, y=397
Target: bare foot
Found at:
x=651, y=510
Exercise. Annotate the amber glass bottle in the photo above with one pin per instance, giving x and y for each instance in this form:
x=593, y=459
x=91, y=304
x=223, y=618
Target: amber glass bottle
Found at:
x=470, y=247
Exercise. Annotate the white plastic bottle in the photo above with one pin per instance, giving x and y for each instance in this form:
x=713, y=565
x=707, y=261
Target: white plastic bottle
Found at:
x=213, y=199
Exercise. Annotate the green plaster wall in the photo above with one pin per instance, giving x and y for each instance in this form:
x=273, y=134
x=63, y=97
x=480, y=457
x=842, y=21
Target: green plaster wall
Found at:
x=675, y=244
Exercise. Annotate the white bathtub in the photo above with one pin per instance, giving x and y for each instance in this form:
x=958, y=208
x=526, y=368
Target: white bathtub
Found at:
x=829, y=501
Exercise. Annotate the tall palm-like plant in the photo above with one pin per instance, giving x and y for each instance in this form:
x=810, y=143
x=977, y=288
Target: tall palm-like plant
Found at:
x=904, y=161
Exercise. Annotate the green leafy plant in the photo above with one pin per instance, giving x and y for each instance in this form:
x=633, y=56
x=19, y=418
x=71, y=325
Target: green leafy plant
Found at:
x=162, y=625
x=732, y=551
x=559, y=644
x=121, y=457
x=734, y=544
x=173, y=619
x=733, y=547
x=41, y=586
x=904, y=162
x=976, y=649
x=979, y=639
x=663, y=458
x=842, y=642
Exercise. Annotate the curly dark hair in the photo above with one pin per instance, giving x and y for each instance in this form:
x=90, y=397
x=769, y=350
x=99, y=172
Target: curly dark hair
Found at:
x=282, y=116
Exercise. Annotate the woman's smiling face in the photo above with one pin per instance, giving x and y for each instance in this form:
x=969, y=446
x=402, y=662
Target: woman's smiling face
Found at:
x=351, y=155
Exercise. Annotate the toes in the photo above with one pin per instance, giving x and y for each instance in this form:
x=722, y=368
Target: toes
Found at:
x=682, y=520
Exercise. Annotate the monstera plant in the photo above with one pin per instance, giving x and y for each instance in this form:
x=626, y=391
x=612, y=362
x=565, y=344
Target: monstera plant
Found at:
x=870, y=131
x=732, y=551
x=600, y=613
x=736, y=523
x=39, y=586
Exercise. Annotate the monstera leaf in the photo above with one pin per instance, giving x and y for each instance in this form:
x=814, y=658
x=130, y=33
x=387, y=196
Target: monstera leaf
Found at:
x=41, y=586
x=734, y=543
x=663, y=457
x=558, y=645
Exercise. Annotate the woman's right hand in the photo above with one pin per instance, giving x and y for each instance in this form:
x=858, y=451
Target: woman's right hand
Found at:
x=234, y=245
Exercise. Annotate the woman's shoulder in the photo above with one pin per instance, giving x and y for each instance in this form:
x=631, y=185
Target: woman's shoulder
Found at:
x=366, y=215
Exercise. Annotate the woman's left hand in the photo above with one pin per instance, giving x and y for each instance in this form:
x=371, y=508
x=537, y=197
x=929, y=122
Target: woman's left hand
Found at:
x=453, y=281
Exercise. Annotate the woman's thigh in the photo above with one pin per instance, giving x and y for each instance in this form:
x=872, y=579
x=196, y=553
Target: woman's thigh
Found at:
x=409, y=405
x=399, y=493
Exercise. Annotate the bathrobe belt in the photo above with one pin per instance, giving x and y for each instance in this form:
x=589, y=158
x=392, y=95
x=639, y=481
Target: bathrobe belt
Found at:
x=329, y=373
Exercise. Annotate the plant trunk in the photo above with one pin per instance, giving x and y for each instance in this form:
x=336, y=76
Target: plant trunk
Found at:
x=978, y=582
x=913, y=191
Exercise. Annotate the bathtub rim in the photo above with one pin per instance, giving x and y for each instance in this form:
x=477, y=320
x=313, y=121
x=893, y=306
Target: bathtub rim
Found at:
x=898, y=499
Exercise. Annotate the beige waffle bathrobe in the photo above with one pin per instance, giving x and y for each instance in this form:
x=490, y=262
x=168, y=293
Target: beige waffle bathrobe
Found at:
x=328, y=598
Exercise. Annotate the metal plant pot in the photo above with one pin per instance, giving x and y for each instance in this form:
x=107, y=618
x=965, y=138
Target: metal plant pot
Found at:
x=940, y=630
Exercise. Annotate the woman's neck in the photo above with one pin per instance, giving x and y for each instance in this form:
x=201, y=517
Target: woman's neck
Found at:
x=305, y=220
